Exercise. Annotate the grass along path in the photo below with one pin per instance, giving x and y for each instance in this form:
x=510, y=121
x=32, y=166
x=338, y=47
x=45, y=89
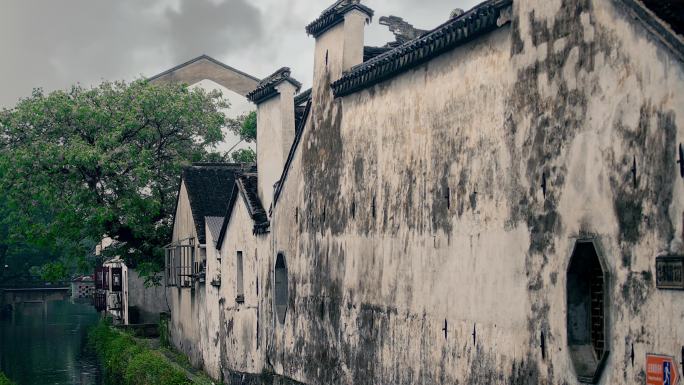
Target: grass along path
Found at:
x=128, y=360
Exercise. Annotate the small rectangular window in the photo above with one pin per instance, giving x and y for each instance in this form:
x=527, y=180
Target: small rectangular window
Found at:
x=116, y=279
x=239, y=281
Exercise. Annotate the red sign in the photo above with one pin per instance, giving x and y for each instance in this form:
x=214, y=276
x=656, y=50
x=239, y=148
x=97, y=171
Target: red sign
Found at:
x=661, y=370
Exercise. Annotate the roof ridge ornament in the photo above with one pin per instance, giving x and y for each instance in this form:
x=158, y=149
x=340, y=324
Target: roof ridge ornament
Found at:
x=266, y=88
x=402, y=30
x=456, y=13
x=339, y=4
x=334, y=15
x=478, y=21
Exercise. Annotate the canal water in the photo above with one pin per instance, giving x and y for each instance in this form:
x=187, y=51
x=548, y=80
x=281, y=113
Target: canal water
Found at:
x=45, y=344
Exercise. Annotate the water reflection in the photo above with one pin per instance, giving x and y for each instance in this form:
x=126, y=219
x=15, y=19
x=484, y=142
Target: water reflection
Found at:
x=44, y=344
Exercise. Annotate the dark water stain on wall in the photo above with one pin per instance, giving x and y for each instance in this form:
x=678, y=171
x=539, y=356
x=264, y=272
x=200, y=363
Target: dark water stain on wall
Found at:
x=341, y=332
x=636, y=290
x=554, y=121
x=321, y=162
x=652, y=147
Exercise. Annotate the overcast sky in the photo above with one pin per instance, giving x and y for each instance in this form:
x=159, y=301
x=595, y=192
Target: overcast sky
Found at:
x=56, y=43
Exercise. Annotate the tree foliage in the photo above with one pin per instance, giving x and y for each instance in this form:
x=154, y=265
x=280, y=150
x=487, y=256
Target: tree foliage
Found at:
x=244, y=126
x=4, y=380
x=80, y=164
x=244, y=155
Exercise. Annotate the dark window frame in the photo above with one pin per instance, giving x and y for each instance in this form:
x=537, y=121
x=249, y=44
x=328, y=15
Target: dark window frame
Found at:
x=180, y=266
x=117, y=279
x=239, y=276
x=281, y=295
x=587, y=305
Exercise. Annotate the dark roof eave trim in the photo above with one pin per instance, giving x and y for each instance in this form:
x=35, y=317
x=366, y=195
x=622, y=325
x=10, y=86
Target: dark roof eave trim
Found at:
x=333, y=17
x=456, y=32
x=259, y=96
x=226, y=218
x=303, y=97
x=258, y=228
x=298, y=137
x=175, y=210
x=266, y=88
x=253, y=211
x=652, y=23
x=261, y=228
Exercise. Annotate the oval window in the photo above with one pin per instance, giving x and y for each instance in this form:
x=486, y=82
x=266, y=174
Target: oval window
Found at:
x=281, y=294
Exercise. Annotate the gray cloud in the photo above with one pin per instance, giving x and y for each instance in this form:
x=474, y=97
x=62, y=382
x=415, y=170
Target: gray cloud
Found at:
x=53, y=44
x=56, y=43
x=199, y=27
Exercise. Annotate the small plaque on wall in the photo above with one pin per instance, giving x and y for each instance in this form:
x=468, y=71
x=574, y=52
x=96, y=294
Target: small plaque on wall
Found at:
x=670, y=272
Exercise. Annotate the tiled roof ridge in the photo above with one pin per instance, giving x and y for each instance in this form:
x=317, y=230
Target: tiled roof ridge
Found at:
x=247, y=186
x=303, y=97
x=334, y=15
x=370, y=52
x=657, y=23
x=198, y=58
x=244, y=186
x=214, y=224
x=457, y=31
x=208, y=187
x=266, y=88
x=295, y=144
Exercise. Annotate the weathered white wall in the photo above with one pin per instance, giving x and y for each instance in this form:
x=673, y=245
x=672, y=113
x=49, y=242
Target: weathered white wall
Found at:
x=119, y=314
x=211, y=349
x=574, y=90
x=241, y=352
x=354, y=24
x=450, y=157
x=275, y=119
x=205, y=73
x=328, y=46
x=269, y=153
x=149, y=301
x=185, y=303
x=239, y=105
x=184, y=225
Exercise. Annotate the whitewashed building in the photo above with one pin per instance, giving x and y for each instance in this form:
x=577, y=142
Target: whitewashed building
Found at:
x=210, y=74
x=498, y=200
x=111, y=290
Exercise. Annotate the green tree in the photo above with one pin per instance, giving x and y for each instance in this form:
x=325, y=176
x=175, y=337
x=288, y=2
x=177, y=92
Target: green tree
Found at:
x=80, y=164
x=244, y=126
x=4, y=380
x=244, y=155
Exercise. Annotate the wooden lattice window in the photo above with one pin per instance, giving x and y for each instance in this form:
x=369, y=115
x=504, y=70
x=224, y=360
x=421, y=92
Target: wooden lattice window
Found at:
x=170, y=269
x=180, y=265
